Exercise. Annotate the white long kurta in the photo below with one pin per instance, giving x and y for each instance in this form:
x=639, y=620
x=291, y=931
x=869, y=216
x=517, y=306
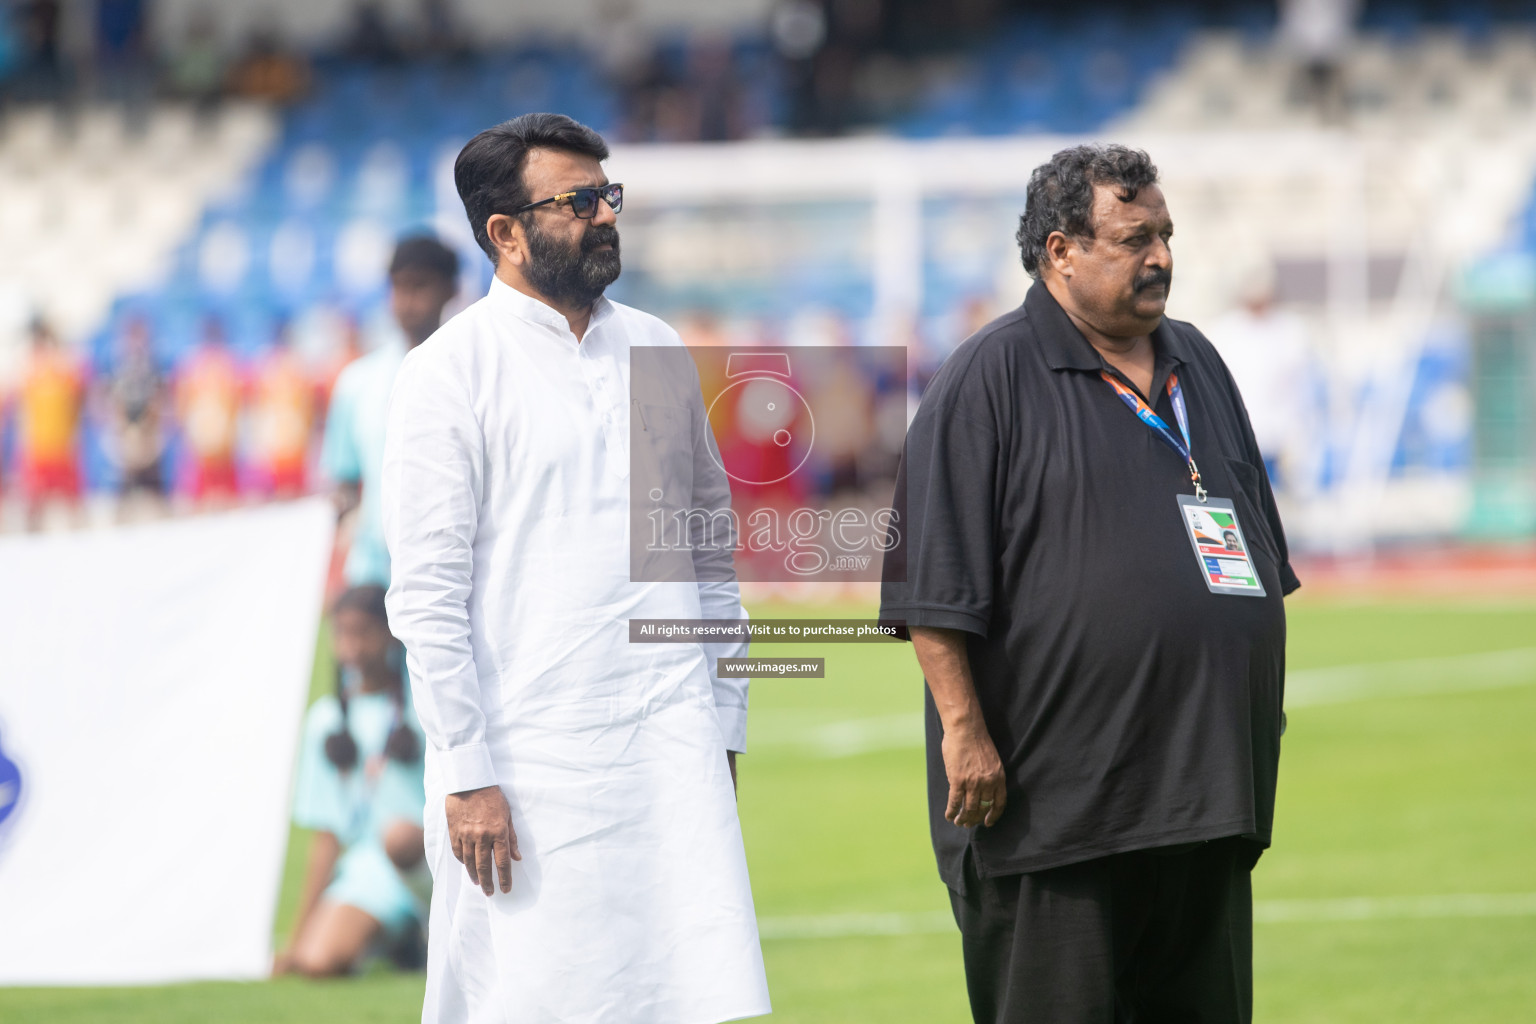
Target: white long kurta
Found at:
x=506, y=499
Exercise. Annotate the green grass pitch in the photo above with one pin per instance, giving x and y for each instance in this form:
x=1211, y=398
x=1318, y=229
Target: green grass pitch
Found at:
x=1419, y=785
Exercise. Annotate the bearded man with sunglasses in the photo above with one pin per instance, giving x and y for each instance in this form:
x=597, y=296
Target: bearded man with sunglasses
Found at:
x=585, y=784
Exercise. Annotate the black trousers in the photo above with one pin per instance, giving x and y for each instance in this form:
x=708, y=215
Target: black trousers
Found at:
x=1150, y=937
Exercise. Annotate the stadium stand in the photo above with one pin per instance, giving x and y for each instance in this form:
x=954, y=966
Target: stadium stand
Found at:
x=91, y=210
x=1062, y=72
x=267, y=217
x=353, y=165
x=1435, y=119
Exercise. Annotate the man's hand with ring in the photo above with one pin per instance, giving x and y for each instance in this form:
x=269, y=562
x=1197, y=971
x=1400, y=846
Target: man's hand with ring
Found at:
x=480, y=831
x=977, y=787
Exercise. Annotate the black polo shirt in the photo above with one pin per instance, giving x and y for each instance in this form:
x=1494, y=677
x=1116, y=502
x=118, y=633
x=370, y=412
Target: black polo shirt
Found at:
x=1132, y=708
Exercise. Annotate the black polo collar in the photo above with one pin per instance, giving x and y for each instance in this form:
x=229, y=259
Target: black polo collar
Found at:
x=1065, y=348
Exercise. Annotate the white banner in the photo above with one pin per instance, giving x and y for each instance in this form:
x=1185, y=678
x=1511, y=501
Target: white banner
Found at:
x=152, y=682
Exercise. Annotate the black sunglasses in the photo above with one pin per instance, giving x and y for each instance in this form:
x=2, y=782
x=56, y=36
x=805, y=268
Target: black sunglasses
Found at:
x=584, y=200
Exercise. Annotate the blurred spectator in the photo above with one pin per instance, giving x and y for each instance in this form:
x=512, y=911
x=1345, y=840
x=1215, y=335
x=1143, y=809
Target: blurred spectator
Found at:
x=370, y=37
x=12, y=52
x=798, y=29
x=1318, y=32
x=40, y=64
x=196, y=69
x=49, y=403
x=268, y=71
x=844, y=63
x=120, y=28
x=423, y=276
x=136, y=400
x=208, y=394
x=676, y=109
x=834, y=54
x=284, y=398
x=121, y=51
x=438, y=33
x=1266, y=350
x=721, y=114
x=645, y=100
x=619, y=46
x=360, y=788
x=703, y=101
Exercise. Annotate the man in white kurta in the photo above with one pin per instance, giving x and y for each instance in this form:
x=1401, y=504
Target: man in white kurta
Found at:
x=506, y=505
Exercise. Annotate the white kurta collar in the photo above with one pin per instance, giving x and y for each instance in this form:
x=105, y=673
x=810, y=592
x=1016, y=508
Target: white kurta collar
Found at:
x=534, y=311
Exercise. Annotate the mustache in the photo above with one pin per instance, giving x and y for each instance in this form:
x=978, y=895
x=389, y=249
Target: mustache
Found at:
x=600, y=234
x=1158, y=276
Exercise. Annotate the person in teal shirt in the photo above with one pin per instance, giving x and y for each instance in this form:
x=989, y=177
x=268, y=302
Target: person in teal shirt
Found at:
x=423, y=277
x=360, y=789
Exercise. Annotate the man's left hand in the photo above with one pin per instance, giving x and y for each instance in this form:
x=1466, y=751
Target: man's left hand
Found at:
x=481, y=835
x=978, y=787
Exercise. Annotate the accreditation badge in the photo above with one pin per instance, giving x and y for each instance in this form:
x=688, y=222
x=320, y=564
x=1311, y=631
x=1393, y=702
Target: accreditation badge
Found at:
x=1221, y=549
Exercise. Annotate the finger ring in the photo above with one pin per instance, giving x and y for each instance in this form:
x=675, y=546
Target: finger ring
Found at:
x=985, y=804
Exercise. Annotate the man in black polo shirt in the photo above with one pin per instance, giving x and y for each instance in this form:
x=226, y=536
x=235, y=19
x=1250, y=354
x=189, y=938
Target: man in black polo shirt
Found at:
x=1105, y=671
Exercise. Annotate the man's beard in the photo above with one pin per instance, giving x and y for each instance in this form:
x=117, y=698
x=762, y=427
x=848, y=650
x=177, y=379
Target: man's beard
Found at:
x=572, y=274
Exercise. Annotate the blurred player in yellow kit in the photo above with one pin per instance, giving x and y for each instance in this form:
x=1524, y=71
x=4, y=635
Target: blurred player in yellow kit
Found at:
x=284, y=396
x=48, y=407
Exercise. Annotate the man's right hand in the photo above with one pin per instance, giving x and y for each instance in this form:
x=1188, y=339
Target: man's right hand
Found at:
x=978, y=790
x=480, y=832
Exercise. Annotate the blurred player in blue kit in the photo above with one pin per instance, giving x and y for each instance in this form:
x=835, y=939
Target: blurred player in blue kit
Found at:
x=423, y=277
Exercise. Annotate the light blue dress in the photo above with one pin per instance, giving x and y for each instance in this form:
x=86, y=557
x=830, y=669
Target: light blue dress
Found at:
x=357, y=806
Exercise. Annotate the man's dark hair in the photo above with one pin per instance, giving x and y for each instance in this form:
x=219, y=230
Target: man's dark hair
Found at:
x=489, y=170
x=1061, y=194
x=426, y=253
